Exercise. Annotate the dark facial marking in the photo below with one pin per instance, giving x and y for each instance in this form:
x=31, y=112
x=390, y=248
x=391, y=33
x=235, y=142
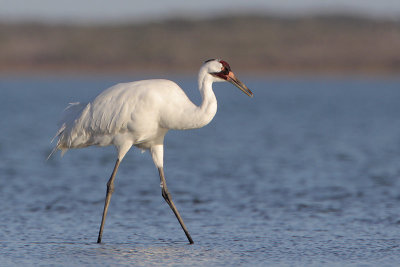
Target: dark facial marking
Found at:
x=209, y=60
x=223, y=74
x=226, y=65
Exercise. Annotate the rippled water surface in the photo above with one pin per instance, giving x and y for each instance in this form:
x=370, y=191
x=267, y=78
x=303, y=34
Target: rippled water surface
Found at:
x=305, y=173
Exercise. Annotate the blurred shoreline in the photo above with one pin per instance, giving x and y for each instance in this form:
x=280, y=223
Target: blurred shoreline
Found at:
x=260, y=45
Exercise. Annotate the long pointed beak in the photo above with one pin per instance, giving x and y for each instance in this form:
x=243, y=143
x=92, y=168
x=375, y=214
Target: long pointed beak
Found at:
x=235, y=81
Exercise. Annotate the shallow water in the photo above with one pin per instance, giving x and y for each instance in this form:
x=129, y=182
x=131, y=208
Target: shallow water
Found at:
x=305, y=173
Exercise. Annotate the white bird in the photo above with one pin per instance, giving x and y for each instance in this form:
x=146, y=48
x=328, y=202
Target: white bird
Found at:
x=140, y=113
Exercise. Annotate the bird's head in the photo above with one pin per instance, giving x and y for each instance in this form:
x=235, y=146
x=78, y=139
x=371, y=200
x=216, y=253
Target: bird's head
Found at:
x=221, y=71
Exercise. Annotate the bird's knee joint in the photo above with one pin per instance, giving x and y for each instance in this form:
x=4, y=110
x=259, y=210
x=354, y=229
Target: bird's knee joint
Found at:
x=166, y=195
x=110, y=188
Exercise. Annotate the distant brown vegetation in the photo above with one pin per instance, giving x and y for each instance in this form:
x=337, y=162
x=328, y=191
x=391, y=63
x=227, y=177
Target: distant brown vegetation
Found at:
x=326, y=44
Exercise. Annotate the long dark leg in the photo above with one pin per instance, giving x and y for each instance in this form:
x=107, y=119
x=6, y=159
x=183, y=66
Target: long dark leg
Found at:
x=167, y=196
x=110, y=190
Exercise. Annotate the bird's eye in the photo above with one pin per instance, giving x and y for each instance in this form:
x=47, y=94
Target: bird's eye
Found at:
x=225, y=71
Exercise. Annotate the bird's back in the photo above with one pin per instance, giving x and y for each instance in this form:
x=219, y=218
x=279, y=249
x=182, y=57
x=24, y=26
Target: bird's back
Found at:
x=127, y=111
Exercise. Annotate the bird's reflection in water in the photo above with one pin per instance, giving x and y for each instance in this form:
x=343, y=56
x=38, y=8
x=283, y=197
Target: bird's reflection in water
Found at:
x=166, y=253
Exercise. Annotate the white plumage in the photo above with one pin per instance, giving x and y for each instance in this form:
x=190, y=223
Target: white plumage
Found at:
x=140, y=114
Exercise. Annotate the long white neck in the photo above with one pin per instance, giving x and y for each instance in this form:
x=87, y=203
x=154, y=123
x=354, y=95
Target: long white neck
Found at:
x=208, y=107
x=199, y=116
x=188, y=115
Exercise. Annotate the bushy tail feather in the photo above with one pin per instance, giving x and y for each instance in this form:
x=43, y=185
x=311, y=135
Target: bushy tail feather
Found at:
x=69, y=115
x=51, y=153
x=54, y=150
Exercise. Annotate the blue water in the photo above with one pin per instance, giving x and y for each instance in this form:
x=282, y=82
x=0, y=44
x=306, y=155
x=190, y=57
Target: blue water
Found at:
x=304, y=174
